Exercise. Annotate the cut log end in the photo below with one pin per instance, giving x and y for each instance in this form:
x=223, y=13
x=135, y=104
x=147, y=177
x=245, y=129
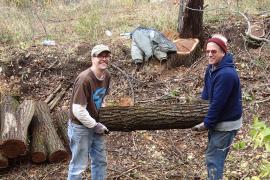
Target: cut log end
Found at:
x=59, y=156
x=188, y=50
x=13, y=148
x=3, y=162
x=38, y=157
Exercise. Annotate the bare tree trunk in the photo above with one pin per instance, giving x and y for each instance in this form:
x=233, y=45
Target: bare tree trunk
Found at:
x=191, y=19
x=15, y=120
x=56, y=150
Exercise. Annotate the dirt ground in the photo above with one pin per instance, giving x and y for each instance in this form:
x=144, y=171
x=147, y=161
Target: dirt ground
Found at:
x=172, y=154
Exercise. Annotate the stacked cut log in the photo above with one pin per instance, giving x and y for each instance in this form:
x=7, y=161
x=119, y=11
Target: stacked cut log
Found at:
x=46, y=143
x=156, y=117
x=62, y=123
x=15, y=120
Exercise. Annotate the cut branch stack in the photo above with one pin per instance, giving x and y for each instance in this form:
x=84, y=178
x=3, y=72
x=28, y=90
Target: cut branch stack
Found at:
x=56, y=96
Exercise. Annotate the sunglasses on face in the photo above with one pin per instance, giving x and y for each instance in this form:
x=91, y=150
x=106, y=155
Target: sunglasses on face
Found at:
x=211, y=51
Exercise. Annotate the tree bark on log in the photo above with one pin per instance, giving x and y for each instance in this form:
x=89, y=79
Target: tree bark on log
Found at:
x=62, y=123
x=155, y=117
x=15, y=121
x=3, y=161
x=55, y=148
x=38, y=148
x=190, y=19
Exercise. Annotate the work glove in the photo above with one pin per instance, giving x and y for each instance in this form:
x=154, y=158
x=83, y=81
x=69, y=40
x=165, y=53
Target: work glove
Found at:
x=199, y=127
x=101, y=129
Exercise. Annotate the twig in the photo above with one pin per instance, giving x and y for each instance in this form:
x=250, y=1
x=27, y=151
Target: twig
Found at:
x=128, y=78
x=248, y=32
x=182, y=77
x=262, y=101
x=245, y=46
x=44, y=28
x=125, y=172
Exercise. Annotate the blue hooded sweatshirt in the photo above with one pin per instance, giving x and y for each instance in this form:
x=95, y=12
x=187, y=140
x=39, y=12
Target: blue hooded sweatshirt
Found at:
x=223, y=90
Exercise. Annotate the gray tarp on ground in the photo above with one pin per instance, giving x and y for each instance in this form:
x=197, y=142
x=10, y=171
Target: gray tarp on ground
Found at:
x=148, y=42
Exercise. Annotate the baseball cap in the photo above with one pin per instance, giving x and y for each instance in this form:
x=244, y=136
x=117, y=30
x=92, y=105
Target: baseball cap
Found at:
x=98, y=49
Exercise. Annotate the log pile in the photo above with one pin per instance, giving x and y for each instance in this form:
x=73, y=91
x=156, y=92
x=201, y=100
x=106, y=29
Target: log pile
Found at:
x=15, y=120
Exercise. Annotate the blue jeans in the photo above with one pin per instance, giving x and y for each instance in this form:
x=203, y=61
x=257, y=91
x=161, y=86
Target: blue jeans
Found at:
x=219, y=143
x=85, y=144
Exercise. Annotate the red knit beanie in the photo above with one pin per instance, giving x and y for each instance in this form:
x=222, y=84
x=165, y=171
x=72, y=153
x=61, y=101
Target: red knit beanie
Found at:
x=219, y=42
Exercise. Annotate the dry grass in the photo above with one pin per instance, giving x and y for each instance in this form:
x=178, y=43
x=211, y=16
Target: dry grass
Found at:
x=88, y=20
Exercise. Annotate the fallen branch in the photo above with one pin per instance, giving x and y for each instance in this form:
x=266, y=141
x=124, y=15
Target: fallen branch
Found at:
x=248, y=31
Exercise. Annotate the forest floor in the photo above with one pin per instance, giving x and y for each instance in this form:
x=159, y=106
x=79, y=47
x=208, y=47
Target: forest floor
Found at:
x=163, y=154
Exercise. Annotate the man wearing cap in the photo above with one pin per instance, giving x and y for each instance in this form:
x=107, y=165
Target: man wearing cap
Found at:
x=85, y=133
x=223, y=91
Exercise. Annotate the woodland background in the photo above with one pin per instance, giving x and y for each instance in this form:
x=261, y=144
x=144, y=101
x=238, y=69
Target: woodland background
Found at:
x=31, y=70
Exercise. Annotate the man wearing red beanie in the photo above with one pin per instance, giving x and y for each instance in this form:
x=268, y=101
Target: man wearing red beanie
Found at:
x=223, y=91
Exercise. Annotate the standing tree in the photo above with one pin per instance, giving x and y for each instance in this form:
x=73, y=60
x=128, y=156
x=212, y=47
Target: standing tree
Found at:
x=190, y=19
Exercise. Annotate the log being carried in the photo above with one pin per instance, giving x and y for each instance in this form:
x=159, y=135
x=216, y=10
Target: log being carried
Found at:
x=154, y=117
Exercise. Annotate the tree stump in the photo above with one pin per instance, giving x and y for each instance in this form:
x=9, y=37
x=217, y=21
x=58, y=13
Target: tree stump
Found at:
x=15, y=120
x=188, y=50
x=47, y=135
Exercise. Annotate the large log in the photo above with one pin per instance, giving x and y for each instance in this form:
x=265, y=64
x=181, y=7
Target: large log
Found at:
x=55, y=148
x=154, y=117
x=15, y=121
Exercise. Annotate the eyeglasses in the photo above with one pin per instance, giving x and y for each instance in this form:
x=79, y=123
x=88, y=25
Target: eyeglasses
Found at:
x=103, y=56
x=211, y=51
